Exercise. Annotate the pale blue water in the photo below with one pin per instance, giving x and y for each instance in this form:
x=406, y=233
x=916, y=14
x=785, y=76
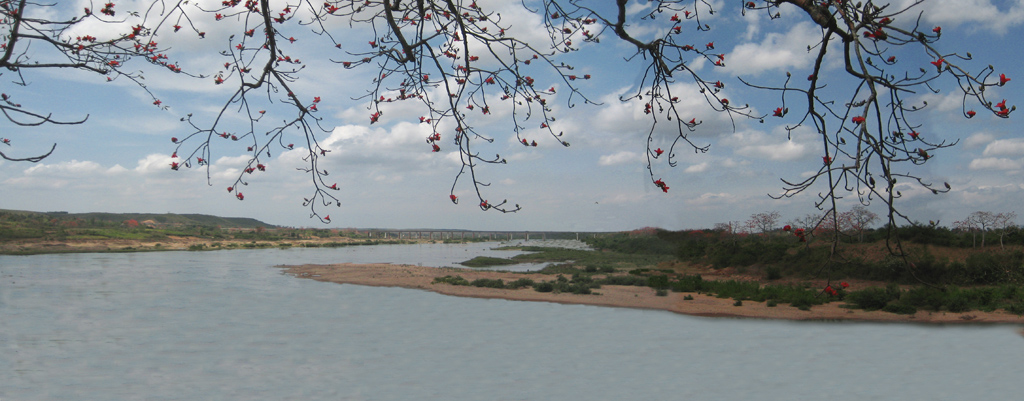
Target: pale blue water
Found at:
x=226, y=325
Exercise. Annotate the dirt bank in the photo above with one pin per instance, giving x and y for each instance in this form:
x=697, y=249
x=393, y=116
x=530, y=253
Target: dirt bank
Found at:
x=418, y=277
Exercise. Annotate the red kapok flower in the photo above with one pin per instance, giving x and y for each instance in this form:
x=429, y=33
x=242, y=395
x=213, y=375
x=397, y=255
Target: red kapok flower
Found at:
x=937, y=29
x=1002, y=104
x=778, y=112
x=844, y=284
x=658, y=151
x=240, y=196
x=826, y=159
x=787, y=227
x=914, y=134
x=661, y=184
x=1003, y=79
x=453, y=197
x=857, y=120
x=971, y=114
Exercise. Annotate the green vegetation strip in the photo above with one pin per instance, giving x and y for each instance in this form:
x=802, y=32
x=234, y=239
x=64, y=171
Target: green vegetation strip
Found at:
x=487, y=261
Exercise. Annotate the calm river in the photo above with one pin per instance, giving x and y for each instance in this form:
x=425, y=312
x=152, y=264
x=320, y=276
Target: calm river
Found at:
x=227, y=325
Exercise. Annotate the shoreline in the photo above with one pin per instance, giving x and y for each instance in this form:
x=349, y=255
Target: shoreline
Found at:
x=175, y=243
x=421, y=278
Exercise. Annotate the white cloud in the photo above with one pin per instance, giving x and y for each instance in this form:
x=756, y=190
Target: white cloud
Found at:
x=944, y=102
x=65, y=169
x=776, y=147
x=978, y=139
x=697, y=168
x=712, y=199
x=1005, y=147
x=977, y=14
x=777, y=51
x=622, y=157
x=994, y=163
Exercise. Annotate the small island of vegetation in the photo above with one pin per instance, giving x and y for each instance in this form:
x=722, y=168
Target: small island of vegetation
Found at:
x=715, y=273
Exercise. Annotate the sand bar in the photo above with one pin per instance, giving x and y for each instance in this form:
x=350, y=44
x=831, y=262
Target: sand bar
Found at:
x=420, y=277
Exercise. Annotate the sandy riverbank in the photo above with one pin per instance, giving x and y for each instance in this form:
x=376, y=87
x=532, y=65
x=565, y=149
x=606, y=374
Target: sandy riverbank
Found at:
x=418, y=277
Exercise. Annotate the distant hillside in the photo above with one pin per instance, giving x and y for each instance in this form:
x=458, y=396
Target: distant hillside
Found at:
x=163, y=219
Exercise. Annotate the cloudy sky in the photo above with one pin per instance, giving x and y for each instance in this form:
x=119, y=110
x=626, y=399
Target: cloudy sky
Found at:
x=118, y=160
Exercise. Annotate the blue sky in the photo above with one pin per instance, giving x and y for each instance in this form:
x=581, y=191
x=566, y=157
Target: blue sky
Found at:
x=118, y=161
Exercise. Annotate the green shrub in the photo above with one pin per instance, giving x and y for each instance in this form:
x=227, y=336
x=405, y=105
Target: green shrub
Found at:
x=773, y=273
x=900, y=308
x=957, y=301
x=870, y=298
x=579, y=289
x=1016, y=308
x=544, y=287
x=689, y=283
x=488, y=283
x=453, y=280
x=661, y=292
x=924, y=297
x=624, y=280
x=771, y=303
x=688, y=297
x=659, y=281
x=520, y=283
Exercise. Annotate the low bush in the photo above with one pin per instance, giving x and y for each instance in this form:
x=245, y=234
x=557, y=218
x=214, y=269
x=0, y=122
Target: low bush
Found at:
x=624, y=280
x=658, y=282
x=870, y=298
x=923, y=297
x=488, y=283
x=520, y=283
x=900, y=308
x=453, y=280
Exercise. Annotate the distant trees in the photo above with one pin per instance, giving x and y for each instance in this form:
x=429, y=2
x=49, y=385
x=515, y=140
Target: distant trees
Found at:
x=858, y=219
x=983, y=222
x=1004, y=222
x=764, y=222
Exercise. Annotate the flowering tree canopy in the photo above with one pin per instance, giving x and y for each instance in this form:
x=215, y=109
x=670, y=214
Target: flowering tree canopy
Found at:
x=457, y=63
